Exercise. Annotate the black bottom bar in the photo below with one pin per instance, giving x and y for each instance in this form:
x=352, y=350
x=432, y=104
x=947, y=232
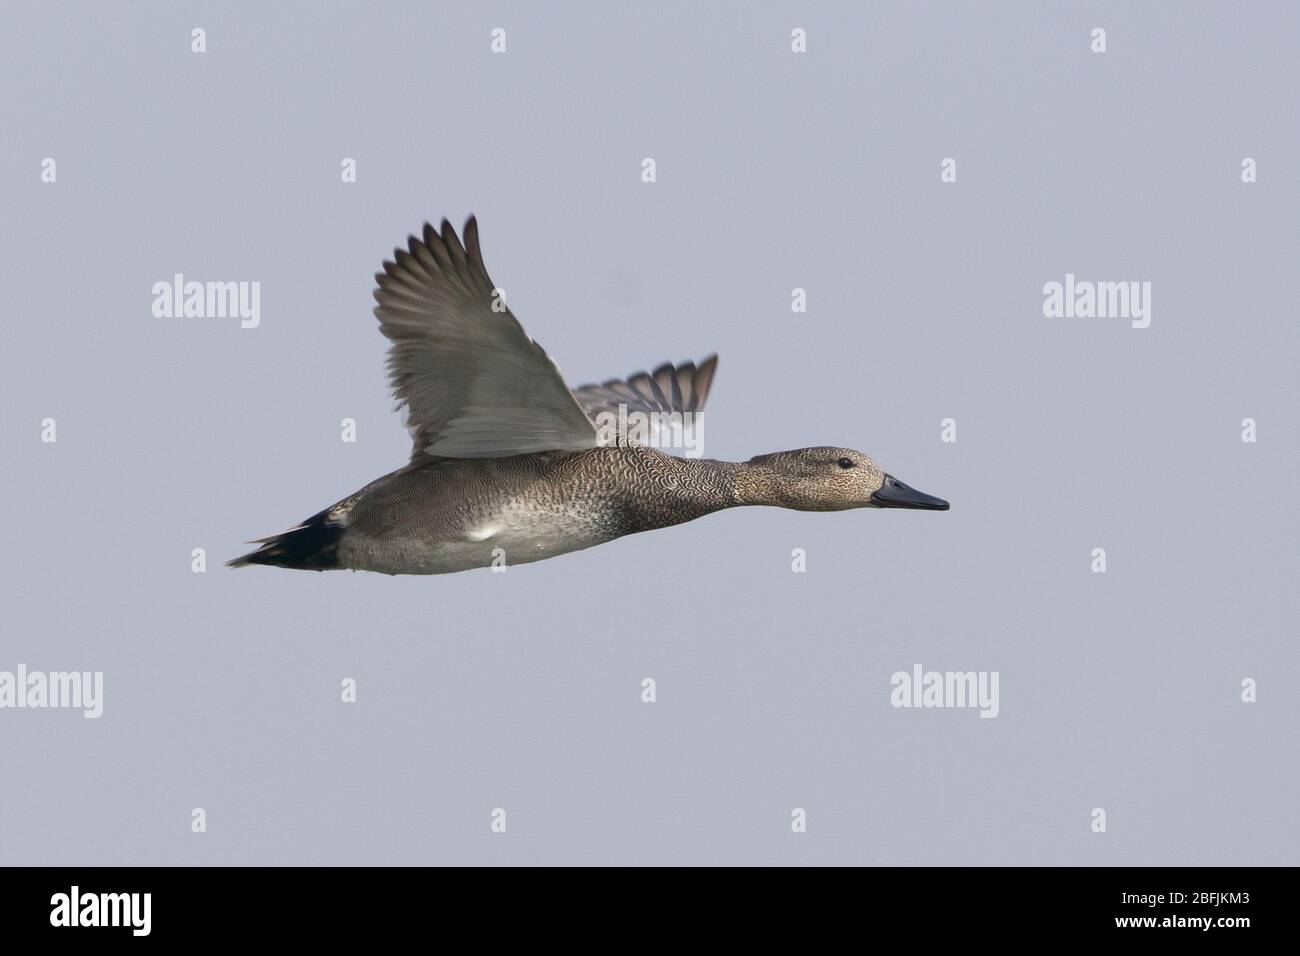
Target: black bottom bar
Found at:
x=335, y=905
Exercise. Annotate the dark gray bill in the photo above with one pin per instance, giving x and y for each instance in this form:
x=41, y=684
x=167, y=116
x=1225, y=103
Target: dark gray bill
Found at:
x=894, y=494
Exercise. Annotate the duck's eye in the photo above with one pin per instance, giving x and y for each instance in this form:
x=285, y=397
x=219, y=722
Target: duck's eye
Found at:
x=846, y=462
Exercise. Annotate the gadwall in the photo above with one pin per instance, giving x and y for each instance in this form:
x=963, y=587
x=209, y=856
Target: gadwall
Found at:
x=510, y=465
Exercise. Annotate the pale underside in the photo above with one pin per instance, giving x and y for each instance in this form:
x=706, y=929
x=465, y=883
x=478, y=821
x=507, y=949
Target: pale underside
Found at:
x=517, y=533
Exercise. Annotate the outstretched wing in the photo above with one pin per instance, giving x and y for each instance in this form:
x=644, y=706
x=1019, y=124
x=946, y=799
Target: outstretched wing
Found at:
x=473, y=383
x=669, y=388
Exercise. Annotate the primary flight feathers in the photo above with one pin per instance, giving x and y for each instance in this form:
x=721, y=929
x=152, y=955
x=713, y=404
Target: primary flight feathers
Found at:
x=473, y=382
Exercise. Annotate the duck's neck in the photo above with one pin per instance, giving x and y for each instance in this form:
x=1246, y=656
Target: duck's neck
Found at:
x=662, y=490
x=714, y=485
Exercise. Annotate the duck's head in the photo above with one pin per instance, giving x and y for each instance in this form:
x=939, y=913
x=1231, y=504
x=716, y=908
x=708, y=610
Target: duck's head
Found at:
x=835, y=479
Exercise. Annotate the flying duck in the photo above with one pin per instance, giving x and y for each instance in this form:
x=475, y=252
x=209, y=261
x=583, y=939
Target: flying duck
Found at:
x=510, y=465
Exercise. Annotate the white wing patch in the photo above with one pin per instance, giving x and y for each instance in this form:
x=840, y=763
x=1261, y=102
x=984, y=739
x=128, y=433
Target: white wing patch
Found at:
x=483, y=532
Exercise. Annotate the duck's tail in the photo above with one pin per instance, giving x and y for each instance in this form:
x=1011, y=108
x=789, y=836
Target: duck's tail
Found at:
x=311, y=546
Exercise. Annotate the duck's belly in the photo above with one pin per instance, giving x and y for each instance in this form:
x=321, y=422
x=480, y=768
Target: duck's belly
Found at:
x=516, y=533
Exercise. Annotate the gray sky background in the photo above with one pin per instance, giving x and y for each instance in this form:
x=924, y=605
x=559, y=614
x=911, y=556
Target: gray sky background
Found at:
x=775, y=171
